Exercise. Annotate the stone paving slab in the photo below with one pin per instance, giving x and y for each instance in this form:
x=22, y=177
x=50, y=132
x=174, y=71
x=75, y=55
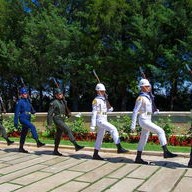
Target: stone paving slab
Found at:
x=77, y=172
x=126, y=184
x=163, y=180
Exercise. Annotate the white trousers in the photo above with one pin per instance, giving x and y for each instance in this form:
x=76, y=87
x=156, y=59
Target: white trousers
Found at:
x=102, y=127
x=148, y=126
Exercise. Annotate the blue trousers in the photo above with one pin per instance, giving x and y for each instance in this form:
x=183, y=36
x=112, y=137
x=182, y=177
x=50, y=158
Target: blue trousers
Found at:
x=26, y=125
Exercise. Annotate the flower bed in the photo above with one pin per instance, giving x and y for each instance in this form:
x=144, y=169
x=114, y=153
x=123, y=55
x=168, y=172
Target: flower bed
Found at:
x=172, y=140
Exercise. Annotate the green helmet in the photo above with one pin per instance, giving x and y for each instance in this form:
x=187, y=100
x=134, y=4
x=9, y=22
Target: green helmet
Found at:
x=58, y=91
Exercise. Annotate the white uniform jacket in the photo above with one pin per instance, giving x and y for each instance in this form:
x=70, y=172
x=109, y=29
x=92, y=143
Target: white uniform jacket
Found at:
x=99, y=110
x=143, y=108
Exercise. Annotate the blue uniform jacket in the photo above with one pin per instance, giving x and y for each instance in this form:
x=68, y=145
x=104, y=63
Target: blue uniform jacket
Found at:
x=23, y=109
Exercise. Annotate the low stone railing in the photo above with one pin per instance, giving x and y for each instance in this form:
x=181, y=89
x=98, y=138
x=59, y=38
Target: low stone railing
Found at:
x=176, y=117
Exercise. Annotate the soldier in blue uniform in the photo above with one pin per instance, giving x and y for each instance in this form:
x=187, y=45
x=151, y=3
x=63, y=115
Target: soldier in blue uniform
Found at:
x=2, y=129
x=57, y=111
x=23, y=111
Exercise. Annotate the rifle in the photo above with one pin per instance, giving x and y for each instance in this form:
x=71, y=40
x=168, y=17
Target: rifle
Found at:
x=67, y=111
x=106, y=96
x=154, y=108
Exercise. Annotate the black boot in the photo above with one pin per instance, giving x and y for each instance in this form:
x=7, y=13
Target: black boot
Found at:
x=190, y=160
x=167, y=153
x=56, y=152
x=96, y=155
x=139, y=160
x=9, y=142
x=22, y=150
x=77, y=147
x=120, y=149
x=39, y=143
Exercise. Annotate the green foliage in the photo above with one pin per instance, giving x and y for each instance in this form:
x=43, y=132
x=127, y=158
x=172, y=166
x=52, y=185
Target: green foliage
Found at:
x=123, y=124
x=49, y=132
x=77, y=125
x=68, y=39
x=9, y=125
x=166, y=124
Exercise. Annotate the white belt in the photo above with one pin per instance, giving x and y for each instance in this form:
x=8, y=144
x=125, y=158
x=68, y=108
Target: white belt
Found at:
x=102, y=113
x=145, y=113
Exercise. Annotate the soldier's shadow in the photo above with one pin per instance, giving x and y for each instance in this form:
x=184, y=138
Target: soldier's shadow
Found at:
x=9, y=150
x=167, y=164
x=119, y=160
x=108, y=159
x=80, y=156
x=67, y=154
x=43, y=152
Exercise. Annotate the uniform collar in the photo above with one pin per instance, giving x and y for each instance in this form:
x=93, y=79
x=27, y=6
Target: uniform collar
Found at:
x=145, y=94
x=100, y=97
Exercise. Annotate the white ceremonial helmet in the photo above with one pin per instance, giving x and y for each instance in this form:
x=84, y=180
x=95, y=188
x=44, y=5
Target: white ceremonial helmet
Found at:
x=144, y=82
x=100, y=87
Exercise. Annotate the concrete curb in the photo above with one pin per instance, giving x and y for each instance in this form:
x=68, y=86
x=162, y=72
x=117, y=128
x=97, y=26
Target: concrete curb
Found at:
x=104, y=150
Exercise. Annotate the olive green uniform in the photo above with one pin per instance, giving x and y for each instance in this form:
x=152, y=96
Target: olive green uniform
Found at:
x=56, y=113
x=2, y=129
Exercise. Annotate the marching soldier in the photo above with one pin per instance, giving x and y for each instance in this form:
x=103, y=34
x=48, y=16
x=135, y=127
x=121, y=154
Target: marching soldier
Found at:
x=2, y=129
x=56, y=113
x=143, y=108
x=23, y=111
x=100, y=107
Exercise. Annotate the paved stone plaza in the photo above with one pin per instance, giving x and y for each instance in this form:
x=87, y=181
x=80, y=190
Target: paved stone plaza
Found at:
x=76, y=171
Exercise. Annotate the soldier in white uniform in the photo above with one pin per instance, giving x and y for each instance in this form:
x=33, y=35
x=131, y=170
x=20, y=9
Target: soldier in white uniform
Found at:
x=143, y=109
x=100, y=107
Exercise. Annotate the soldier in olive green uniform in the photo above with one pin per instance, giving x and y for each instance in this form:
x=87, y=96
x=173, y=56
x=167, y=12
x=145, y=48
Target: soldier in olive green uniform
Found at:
x=57, y=112
x=2, y=129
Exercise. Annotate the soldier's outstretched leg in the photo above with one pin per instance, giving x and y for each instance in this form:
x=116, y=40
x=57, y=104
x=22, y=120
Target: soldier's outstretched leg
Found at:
x=68, y=131
x=167, y=153
x=190, y=160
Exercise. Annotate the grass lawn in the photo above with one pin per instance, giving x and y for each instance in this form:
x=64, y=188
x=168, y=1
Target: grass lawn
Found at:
x=131, y=146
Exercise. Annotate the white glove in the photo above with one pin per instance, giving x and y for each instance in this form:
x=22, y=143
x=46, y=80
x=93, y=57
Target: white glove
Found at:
x=110, y=109
x=92, y=129
x=156, y=112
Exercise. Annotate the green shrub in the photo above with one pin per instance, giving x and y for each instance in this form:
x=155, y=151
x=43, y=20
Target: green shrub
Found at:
x=8, y=123
x=123, y=124
x=77, y=125
x=166, y=124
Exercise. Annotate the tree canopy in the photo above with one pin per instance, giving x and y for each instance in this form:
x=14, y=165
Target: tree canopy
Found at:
x=67, y=39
